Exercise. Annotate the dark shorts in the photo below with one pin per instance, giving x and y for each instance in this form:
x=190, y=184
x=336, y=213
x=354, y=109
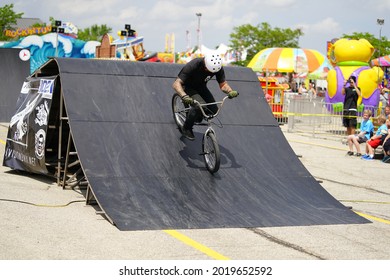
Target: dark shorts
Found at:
x=202, y=96
x=362, y=139
x=349, y=119
x=386, y=147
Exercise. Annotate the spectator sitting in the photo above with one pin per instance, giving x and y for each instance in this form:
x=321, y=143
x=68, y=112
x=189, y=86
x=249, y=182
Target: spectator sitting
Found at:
x=378, y=138
x=366, y=131
x=386, y=149
x=386, y=144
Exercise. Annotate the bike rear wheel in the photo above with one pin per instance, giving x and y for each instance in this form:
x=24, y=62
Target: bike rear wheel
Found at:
x=211, y=152
x=179, y=110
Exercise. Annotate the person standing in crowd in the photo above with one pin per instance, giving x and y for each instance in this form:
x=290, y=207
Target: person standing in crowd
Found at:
x=352, y=93
x=312, y=91
x=383, y=98
x=387, y=111
x=302, y=89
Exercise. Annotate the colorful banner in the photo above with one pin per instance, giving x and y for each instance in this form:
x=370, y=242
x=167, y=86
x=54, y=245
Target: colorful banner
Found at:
x=23, y=32
x=26, y=139
x=69, y=28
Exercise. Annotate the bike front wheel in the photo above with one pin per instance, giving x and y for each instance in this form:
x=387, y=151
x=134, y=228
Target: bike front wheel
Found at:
x=179, y=110
x=211, y=153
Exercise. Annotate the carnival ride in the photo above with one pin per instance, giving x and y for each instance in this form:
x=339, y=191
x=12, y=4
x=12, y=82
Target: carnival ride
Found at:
x=351, y=58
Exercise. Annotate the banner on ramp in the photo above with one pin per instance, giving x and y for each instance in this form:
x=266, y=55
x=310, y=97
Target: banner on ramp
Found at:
x=27, y=132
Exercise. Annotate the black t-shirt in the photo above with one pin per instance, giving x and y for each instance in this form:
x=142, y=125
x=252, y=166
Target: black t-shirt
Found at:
x=351, y=98
x=195, y=75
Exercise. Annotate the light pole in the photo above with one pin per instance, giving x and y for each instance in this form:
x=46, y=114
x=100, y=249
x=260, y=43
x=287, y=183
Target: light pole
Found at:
x=198, y=30
x=380, y=22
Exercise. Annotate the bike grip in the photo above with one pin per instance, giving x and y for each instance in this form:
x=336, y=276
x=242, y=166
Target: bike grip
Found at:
x=236, y=96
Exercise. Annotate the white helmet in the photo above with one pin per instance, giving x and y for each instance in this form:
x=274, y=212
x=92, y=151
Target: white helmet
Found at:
x=213, y=62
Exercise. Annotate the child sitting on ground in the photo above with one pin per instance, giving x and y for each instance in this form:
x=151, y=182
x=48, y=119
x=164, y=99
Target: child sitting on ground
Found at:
x=378, y=138
x=366, y=131
x=386, y=143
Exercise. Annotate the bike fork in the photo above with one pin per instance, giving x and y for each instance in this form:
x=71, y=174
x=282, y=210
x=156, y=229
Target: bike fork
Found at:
x=208, y=130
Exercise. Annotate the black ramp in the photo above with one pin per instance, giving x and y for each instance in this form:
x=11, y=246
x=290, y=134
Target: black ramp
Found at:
x=145, y=176
x=13, y=72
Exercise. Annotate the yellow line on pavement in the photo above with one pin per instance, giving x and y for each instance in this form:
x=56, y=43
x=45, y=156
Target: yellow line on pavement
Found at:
x=185, y=239
x=2, y=141
x=364, y=201
x=373, y=218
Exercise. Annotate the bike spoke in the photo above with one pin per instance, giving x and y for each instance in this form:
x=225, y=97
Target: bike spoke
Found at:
x=210, y=153
x=179, y=110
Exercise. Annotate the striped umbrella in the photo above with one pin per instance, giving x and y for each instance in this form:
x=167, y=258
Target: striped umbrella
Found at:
x=286, y=60
x=321, y=73
x=381, y=61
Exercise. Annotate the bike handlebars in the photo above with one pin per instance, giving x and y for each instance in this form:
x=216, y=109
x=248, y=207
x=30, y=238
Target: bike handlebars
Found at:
x=201, y=105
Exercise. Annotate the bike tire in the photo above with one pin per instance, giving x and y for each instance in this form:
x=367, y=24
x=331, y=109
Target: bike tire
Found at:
x=179, y=110
x=211, y=152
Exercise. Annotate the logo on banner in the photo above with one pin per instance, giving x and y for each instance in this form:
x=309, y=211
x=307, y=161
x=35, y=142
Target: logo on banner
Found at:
x=20, y=119
x=46, y=88
x=42, y=114
x=40, y=139
x=25, y=88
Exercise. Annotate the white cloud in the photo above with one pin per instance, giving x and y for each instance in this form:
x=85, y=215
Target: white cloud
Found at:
x=325, y=26
x=280, y=3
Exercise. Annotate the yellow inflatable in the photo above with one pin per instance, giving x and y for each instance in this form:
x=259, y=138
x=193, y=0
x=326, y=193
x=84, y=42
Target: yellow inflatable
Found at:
x=351, y=58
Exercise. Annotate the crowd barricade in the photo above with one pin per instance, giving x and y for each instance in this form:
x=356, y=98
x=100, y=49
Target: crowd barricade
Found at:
x=304, y=114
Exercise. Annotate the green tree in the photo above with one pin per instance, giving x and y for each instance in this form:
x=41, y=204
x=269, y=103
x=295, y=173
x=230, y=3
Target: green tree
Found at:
x=255, y=38
x=93, y=33
x=382, y=45
x=8, y=18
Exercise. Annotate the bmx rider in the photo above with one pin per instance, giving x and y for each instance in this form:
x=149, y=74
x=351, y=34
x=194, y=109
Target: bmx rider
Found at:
x=191, y=84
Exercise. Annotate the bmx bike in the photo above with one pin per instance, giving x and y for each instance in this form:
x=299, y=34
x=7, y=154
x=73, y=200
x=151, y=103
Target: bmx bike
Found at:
x=210, y=147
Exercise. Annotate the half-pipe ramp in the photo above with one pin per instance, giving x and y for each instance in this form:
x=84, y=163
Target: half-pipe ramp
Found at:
x=144, y=175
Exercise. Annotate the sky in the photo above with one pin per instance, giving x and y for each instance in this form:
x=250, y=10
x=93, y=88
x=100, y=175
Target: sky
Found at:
x=320, y=21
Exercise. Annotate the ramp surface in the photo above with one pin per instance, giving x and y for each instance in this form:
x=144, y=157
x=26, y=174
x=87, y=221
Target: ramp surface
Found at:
x=145, y=176
x=13, y=72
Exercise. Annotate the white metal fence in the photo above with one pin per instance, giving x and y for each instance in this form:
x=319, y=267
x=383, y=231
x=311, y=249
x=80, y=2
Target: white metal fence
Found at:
x=314, y=116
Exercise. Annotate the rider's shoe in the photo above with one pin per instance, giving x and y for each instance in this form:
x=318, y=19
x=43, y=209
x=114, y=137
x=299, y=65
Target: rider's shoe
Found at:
x=187, y=133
